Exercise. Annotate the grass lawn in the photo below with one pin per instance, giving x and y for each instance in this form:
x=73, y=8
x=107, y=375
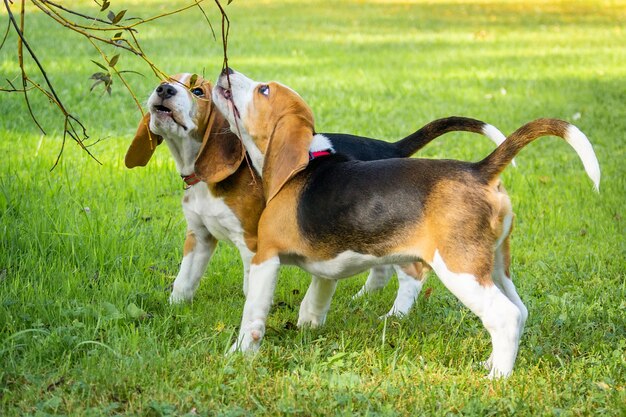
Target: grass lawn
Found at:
x=87, y=251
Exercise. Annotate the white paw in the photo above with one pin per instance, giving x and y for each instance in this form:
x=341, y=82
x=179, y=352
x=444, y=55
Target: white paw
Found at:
x=307, y=319
x=393, y=314
x=177, y=296
x=497, y=374
x=250, y=337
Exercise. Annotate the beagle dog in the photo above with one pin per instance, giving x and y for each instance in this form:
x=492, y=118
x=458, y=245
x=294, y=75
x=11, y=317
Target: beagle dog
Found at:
x=335, y=216
x=223, y=197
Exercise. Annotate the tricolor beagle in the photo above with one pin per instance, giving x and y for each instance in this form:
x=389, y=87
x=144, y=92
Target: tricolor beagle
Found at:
x=228, y=204
x=334, y=216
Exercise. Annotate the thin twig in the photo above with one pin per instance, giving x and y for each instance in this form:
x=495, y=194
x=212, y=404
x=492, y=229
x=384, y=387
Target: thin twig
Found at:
x=20, y=58
x=62, y=21
x=182, y=9
x=6, y=34
x=76, y=13
x=206, y=18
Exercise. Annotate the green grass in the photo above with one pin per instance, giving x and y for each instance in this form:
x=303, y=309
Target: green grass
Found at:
x=85, y=327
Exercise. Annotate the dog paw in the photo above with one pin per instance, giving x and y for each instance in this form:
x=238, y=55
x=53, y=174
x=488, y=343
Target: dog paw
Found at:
x=249, y=340
x=178, y=297
x=310, y=320
x=498, y=374
x=393, y=314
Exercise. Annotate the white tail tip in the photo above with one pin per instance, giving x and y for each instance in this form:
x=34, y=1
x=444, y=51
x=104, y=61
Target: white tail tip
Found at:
x=496, y=137
x=583, y=148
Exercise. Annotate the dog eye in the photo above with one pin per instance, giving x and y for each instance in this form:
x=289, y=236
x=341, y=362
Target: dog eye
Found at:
x=265, y=90
x=197, y=92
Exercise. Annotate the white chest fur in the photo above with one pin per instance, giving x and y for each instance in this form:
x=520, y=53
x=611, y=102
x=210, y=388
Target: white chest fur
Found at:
x=202, y=209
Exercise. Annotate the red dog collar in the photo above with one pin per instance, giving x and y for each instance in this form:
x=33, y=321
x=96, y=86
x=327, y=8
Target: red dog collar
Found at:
x=190, y=180
x=317, y=154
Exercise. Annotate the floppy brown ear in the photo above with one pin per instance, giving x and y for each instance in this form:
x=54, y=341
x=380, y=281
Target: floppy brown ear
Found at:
x=143, y=146
x=287, y=153
x=221, y=152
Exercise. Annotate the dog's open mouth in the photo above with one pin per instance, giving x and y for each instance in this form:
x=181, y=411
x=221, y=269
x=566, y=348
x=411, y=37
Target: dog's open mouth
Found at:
x=163, y=110
x=228, y=95
x=159, y=108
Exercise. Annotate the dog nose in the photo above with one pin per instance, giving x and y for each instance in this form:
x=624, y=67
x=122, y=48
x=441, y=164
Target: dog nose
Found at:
x=228, y=70
x=165, y=91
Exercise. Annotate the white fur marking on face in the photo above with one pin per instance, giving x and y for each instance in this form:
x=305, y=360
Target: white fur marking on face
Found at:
x=183, y=108
x=496, y=136
x=242, y=90
x=320, y=143
x=583, y=148
x=499, y=315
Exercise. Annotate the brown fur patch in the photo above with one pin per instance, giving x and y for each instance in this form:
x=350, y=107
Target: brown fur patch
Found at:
x=143, y=145
x=459, y=223
x=281, y=125
x=417, y=270
x=279, y=226
x=190, y=243
x=243, y=194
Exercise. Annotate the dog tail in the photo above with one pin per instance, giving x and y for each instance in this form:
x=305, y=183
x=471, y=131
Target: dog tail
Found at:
x=494, y=163
x=417, y=140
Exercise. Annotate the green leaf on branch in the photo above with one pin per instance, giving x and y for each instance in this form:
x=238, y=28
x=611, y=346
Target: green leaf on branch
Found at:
x=105, y=5
x=100, y=65
x=102, y=78
x=118, y=17
x=132, y=72
x=114, y=60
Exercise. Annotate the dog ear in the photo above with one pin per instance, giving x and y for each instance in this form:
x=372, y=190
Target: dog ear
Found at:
x=287, y=153
x=221, y=152
x=143, y=145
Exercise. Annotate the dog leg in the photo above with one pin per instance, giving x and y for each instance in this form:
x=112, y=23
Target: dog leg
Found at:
x=261, y=287
x=316, y=302
x=411, y=278
x=377, y=279
x=246, y=259
x=502, y=279
x=499, y=315
x=197, y=252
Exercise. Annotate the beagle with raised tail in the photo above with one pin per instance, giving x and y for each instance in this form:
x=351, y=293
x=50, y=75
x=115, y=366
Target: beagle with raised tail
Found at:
x=223, y=198
x=334, y=216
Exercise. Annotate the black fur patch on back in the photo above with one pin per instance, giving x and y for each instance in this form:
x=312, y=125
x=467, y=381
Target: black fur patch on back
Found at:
x=355, y=206
x=361, y=206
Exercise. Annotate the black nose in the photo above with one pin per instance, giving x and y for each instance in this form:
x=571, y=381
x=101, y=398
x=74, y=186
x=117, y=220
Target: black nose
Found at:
x=228, y=70
x=165, y=91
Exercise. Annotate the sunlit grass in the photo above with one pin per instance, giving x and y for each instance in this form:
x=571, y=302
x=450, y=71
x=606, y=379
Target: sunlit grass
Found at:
x=87, y=252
